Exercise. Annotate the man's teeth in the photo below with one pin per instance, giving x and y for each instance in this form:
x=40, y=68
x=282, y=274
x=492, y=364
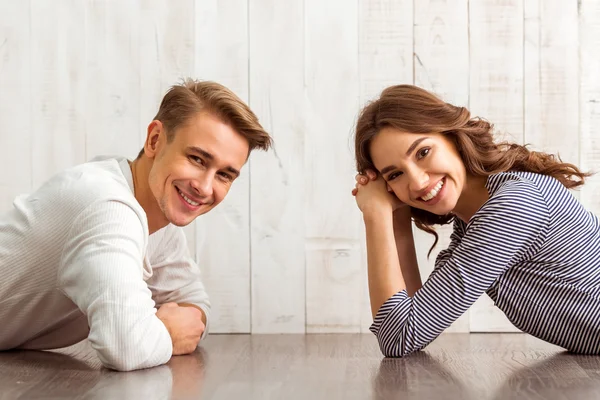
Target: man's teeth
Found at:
x=190, y=201
x=433, y=192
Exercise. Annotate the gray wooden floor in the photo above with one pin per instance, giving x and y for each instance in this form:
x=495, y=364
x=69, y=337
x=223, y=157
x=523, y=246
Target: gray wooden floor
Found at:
x=455, y=366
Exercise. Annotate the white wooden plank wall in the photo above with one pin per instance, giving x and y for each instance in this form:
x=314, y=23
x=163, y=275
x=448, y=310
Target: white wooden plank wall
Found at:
x=333, y=253
x=16, y=105
x=285, y=251
x=277, y=186
x=589, y=99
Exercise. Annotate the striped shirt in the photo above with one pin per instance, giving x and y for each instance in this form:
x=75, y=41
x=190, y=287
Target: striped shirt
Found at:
x=532, y=247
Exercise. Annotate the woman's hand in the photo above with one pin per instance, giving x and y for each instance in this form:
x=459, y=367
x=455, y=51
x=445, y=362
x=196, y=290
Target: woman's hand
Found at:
x=371, y=192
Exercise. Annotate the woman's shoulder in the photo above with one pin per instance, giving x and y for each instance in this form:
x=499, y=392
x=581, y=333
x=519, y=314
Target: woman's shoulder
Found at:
x=519, y=193
x=517, y=183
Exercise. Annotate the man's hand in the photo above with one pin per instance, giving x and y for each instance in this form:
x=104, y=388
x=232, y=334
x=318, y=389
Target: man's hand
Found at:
x=184, y=325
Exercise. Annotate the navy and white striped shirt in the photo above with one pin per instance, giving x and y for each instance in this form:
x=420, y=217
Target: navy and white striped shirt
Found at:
x=532, y=247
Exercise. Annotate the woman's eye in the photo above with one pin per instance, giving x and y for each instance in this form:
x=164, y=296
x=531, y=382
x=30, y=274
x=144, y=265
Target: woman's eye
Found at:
x=423, y=152
x=394, y=175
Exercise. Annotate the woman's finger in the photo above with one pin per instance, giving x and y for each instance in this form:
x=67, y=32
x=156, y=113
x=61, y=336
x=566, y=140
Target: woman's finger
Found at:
x=361, y=178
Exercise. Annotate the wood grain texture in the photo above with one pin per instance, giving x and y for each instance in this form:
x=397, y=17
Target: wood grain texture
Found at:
x=334, y=276
x=113, y=79
x=223, y=235
x=277, y=190
x=334, y=366
x=589, y=100
x=15, y=101
x=496, y=94
x=551, y=109
x=58, y=123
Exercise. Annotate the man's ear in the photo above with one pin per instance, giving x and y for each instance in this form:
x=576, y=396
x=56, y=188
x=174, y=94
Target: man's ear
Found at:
x=155, y=133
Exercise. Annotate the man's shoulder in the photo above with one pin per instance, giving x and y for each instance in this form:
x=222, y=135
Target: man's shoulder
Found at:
x=78, y=187
x=96, y=179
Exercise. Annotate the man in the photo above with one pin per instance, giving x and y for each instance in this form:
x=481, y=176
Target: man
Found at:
x=96, y=248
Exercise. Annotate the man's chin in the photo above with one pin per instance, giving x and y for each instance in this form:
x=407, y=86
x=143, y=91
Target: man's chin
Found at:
x=184, y=221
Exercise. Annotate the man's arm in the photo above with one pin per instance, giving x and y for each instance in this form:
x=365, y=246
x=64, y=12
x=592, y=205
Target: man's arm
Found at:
x=176, y=278
x=101, y=272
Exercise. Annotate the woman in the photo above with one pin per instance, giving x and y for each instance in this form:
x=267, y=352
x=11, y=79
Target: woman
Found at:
x=518, y=233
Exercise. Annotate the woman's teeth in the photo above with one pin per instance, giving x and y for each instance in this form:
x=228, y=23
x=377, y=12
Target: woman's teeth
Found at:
x=190, y=201
x=433, y=192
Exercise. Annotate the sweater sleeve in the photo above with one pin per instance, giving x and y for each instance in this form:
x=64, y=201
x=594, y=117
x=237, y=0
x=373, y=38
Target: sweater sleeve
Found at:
x=510, y=227
x=102, y=273
x=175, y=275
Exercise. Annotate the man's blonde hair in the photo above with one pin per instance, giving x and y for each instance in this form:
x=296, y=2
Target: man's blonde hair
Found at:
x=183, y=101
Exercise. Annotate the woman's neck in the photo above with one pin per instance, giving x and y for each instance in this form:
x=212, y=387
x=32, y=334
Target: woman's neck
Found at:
x=473, y=197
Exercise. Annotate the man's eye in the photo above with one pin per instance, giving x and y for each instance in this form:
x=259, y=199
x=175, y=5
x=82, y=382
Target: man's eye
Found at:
x=226, y=176
x=196, y=159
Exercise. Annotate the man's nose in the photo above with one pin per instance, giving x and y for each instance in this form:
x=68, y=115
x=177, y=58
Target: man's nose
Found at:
x=203, y=185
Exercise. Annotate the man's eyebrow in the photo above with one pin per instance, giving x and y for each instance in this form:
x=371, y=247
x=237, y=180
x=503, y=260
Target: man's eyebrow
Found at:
x=210, y=157
x=233, y=171
x=202, y=152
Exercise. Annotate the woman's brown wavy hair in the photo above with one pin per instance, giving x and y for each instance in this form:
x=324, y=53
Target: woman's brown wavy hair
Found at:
x=412, y=109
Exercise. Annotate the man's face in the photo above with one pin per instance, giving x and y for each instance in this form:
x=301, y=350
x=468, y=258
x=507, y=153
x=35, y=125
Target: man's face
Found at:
x=192, y=174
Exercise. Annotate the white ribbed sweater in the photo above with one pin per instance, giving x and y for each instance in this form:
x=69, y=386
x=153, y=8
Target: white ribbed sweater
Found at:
x=76, y=261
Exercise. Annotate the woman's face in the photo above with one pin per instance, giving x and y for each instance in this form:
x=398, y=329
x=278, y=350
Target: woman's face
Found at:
x=423, y=170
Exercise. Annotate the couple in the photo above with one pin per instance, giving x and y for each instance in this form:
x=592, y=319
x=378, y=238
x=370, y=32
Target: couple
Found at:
x=97, y=251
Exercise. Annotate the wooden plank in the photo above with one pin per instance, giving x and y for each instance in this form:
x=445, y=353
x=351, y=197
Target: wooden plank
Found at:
x=336, y=366
x=551, y=77
x=58, y=108
x=223, y=235
x=15, y=101
x=496, y=94
x=385, y=59
x=113, y=79
x=334, y=274
x=441, y=63
x=385, y=45
x=277, y=190
x=589, y=100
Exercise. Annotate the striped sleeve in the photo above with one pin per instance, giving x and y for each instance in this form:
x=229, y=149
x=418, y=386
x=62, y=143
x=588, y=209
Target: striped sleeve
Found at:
x=458, y=231
x=509, y=228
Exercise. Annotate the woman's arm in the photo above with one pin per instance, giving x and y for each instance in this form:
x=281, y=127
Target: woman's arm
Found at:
x=385, y=275
x=391, y=256
x=405, y=246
